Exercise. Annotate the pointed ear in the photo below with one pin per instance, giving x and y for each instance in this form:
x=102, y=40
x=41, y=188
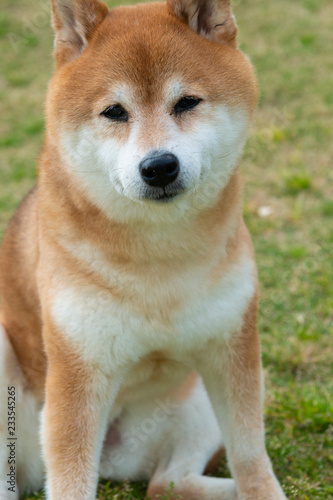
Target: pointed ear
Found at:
x=74, y=22
x=212, y=19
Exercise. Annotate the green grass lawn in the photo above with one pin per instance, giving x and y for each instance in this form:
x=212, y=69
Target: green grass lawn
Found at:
x=288, y=207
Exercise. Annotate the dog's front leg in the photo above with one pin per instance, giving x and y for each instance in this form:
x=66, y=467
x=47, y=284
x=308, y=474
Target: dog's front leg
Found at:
x=233, y=377
x=78, y=401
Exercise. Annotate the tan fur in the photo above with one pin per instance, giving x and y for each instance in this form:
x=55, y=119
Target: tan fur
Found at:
x=183, y=391
x=79, y=396
x=20, y=306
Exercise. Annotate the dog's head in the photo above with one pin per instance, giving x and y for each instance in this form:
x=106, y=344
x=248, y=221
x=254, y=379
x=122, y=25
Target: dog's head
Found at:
x=149, y=105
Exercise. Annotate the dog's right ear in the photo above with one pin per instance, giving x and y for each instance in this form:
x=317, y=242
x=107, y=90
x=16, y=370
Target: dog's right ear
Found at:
x=74, y=22
x=211, y=19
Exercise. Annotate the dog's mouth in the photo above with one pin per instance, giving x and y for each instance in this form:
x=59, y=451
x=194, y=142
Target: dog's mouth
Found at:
x=163, y=198
x=163, y=195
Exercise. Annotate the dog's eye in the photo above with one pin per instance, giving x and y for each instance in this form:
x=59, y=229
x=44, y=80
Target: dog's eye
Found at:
x=116, y=112
x=185, y=104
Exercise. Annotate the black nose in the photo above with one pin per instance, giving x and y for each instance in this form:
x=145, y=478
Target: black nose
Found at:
x=159, y=170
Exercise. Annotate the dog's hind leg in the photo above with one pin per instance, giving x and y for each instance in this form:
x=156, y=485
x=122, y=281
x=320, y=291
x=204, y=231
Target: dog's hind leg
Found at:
x=172, y=439
x=21, y=467
x=192, y=486
x=191, y=443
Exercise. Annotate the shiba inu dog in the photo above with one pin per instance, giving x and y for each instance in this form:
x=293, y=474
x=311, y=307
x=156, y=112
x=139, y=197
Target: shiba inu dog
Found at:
x=128, y=338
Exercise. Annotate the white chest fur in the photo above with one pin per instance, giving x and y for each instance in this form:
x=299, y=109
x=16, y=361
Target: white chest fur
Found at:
x=111, y=331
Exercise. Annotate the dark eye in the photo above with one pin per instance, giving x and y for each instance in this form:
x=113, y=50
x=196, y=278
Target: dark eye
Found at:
x=186, y=103
x=116, y=112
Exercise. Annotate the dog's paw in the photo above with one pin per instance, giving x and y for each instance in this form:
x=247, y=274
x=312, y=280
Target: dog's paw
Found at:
x=267, y=488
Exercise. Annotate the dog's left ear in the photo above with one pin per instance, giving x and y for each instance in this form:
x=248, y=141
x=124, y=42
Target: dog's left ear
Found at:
x=74, y=22
x=212, y=19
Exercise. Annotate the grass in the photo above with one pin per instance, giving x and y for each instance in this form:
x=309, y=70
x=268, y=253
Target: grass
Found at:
x=288, y=207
